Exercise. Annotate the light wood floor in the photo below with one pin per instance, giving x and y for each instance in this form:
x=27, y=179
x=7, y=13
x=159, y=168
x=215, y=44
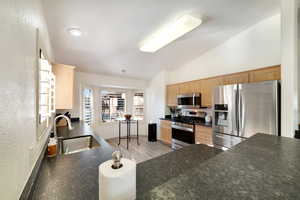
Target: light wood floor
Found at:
x=145, y=151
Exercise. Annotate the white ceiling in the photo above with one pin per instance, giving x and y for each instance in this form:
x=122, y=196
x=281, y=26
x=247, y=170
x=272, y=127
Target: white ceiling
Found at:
x=114, y=29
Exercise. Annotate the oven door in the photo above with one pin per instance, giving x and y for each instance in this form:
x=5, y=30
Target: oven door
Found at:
x=181, y=138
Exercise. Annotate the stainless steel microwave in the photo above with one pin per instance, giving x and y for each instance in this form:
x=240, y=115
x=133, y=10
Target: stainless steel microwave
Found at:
x=189, y=100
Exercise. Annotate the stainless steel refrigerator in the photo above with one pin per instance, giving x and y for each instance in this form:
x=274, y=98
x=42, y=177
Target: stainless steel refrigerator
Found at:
x=242, y=110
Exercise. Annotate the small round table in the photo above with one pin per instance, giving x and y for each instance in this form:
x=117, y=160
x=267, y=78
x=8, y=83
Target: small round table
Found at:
x=128, y=124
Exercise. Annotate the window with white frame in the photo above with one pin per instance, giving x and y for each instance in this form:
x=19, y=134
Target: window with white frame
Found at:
x=113, y=105
x=138, y=105
x=46, y=90
x=87, y=106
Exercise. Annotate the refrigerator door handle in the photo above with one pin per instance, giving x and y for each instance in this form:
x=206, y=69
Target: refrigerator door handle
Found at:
x=241, y=115
x=237, y=110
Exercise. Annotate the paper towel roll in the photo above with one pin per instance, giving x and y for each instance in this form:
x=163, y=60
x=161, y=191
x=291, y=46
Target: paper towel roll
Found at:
x=117, y=184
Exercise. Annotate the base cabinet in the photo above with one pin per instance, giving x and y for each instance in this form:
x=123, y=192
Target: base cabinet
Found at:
x=165, y=131
x=203, y=135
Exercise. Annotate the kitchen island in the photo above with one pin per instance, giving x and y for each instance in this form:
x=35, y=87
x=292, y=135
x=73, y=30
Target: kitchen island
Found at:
x=263, y=167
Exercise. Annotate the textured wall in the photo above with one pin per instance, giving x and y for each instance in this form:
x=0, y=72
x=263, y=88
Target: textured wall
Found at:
x=156, y=93
x=256, y=47
x=19, y=146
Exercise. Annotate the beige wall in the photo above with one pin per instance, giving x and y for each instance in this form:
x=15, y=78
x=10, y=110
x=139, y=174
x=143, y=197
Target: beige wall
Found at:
x=19, y=145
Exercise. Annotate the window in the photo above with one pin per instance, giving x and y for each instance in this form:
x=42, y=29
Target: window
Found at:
x=138, y=105
x=113, y=105
x=46, y=90
x=87, y=106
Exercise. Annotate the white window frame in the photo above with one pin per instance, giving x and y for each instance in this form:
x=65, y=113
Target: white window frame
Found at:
x=46, y=87
x=102, y=94
x=83, y=106
x=137, y=106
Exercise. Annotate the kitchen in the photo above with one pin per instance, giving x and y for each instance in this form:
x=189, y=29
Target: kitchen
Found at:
x=213, y=113
x=82, y=83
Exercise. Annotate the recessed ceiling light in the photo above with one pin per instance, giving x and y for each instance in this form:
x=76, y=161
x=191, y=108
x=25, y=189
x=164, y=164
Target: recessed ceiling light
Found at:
x=170, y=32
x=75, y=32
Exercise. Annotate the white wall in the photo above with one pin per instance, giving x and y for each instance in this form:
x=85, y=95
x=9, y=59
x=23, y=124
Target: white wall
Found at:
x=101, y=81
x=256, y=47
x=156, y=98
x=19, y=145
x=289, y=69
x=112, y=83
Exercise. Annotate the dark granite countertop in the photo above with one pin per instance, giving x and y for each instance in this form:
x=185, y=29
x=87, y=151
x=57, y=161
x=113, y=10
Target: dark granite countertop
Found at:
x=200, y=123
x=75, y=176
x=263, y=167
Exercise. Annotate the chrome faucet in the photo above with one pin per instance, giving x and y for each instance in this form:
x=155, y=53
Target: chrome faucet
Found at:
x=68, y=121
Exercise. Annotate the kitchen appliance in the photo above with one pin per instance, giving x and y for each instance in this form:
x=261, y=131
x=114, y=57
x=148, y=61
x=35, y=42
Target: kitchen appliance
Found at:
x=183, y=134
x=189, y=100
x=208, y=118
x=193, y=113
x=242, y=110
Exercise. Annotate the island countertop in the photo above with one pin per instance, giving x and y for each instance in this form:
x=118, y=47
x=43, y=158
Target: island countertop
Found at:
x=263, y=167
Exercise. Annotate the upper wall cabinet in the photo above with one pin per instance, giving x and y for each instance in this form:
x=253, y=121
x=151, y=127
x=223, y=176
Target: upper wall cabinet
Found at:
x=266, y=74
x=172, y=92
x=236, y=78
x=64, y=86
x=189, y=87
x=207, y=87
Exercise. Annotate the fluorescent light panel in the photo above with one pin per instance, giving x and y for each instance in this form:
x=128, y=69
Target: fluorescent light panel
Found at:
x=75, y=32
x=170, y=33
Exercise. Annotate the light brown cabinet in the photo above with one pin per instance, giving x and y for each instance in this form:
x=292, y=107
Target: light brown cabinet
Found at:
x=189, y=87
x=64, y=86
x=207, y=87
x=165, y=131
x=203, y=135
x=172, y=92
x=236, y=78
x=267, y=74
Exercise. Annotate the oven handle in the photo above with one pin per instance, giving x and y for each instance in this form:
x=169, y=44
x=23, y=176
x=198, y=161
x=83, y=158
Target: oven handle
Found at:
x=182, y=128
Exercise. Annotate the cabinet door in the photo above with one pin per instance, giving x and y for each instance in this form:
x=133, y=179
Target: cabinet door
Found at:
x=266, y=74
x=203, y=135
x=195, y=86
x=207, y=86
x=165, y=131
x=64, y=85
x=186, y=88
x=172, y=92
x=236, y=78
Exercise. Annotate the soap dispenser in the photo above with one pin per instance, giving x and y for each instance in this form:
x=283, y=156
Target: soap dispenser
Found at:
x=52, y=146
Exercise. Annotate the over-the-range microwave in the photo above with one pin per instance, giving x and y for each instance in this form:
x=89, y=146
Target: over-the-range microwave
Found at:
x=189, y=100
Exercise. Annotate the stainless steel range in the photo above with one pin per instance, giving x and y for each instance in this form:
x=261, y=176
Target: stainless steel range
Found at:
x=183, y=134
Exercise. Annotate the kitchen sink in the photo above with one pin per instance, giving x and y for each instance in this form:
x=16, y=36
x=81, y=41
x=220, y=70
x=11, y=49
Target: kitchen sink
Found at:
x=78, y=144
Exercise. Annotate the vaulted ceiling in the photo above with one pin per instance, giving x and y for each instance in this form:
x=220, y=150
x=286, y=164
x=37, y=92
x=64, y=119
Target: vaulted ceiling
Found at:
x=114, y=29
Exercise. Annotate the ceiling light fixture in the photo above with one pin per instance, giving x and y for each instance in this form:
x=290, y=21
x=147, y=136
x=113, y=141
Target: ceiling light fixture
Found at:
x=75, y=32
x=169, y=33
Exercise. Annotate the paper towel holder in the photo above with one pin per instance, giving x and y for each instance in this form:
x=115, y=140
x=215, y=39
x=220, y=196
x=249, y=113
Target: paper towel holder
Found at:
x=116, y=157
